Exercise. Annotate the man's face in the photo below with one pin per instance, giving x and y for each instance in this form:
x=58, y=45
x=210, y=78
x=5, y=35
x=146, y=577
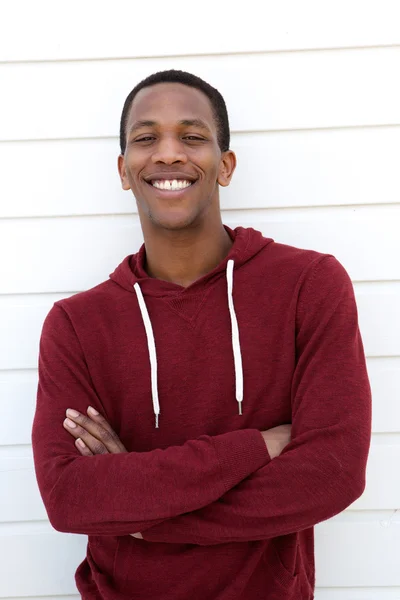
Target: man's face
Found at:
x=172, y=162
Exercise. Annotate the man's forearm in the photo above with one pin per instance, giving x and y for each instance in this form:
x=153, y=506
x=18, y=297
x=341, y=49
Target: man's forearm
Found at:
x=119, y=494
x=296, y=490
x=276, y=439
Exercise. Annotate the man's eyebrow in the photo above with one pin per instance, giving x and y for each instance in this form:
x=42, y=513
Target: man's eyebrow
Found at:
x=139, y=124
x=185, y=122
x=194, y=123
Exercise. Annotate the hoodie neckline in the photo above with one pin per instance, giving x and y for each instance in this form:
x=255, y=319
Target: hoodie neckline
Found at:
x=246, y=243
x=168, y=287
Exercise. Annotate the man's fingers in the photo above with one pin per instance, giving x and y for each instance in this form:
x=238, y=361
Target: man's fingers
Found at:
x=98, y=418
x=91, y=442
x=83, y=449
x=98, y=436
x=109, y=437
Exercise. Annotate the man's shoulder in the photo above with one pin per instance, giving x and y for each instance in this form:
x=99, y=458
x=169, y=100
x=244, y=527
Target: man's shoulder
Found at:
x=305, y=268
x=81, y=303
x=294, y=258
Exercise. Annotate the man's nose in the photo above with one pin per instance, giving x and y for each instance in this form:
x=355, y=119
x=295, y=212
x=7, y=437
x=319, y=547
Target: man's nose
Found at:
x=169, y=150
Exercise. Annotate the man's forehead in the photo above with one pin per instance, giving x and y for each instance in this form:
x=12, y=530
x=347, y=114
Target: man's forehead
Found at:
x=171, y=101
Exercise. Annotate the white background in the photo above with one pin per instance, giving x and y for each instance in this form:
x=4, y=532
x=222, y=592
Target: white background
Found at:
x=313, y=93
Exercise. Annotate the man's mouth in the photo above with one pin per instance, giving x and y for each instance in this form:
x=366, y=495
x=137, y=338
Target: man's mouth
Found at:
x=172, y=185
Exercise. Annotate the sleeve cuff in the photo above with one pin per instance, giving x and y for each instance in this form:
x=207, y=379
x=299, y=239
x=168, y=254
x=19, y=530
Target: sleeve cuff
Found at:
x=240, y=453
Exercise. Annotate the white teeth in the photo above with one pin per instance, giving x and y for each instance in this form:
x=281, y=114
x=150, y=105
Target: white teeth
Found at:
x=172, y=185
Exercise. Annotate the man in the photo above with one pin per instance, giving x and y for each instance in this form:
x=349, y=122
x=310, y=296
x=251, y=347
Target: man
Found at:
x=230, y=403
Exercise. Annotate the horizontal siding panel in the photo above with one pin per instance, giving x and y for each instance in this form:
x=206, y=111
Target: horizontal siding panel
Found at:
x=275, y=169
x=293, y=90
x=21, y=499
x=284, y=26
x=25, y=321
x=378, y=310
x=371, y=593
x=17, y=404
x=78, y=252
x=52, y=559
x=384, y=375
x=358, y=554
x=382, y=489
x=57, y=597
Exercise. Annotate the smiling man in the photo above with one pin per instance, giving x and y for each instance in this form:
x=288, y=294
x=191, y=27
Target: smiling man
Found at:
x=202, y=409
x=174, y=155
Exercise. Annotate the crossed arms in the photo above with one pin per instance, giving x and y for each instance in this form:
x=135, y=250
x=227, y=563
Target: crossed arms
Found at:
x=222, y=488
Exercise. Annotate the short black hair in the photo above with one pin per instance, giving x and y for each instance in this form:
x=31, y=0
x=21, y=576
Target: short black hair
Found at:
x=174, y=76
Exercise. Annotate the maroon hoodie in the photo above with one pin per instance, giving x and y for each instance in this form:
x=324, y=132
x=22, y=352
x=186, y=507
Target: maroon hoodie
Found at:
x=188, y=377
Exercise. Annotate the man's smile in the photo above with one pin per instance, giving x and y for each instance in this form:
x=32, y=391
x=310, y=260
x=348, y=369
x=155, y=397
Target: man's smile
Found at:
x=171, y=184
x=168, y=183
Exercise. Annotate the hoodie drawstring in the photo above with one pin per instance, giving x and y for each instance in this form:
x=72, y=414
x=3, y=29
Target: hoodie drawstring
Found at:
x=237, y=355
x=152, y=350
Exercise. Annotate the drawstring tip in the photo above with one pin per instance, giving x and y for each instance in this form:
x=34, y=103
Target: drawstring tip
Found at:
x=240, y=407
x=156, y=421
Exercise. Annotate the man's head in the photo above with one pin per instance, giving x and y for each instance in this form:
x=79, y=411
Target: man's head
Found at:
x=174, y=139
x=217, y=102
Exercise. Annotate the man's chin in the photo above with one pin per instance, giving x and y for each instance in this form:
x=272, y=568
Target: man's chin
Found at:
x=177, y=222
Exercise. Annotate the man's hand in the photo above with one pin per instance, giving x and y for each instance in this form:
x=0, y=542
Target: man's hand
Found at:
x=92, y=433
x=276, y=439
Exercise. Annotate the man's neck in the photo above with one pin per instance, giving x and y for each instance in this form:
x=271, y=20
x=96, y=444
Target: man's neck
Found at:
x=182, y=257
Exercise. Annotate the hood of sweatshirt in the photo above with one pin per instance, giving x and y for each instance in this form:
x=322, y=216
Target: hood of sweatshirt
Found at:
x=131, y=275
x=247, y=242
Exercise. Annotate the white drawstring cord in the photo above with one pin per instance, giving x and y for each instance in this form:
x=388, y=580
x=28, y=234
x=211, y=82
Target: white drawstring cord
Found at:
x=237, y=357
x=152, y=350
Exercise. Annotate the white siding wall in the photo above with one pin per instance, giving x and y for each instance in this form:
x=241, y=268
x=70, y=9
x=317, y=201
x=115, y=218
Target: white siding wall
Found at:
x=314, y=98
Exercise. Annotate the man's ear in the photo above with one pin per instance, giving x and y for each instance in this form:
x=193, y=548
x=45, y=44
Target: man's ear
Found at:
x=122, y=173
x=226, y=167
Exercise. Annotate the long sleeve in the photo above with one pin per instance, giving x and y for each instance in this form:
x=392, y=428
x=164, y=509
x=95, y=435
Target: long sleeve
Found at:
x=322, y=471
x=122, y=493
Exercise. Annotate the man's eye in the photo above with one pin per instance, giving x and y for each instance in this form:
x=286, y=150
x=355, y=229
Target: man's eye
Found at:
x=146, y=138
x=193, y=138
